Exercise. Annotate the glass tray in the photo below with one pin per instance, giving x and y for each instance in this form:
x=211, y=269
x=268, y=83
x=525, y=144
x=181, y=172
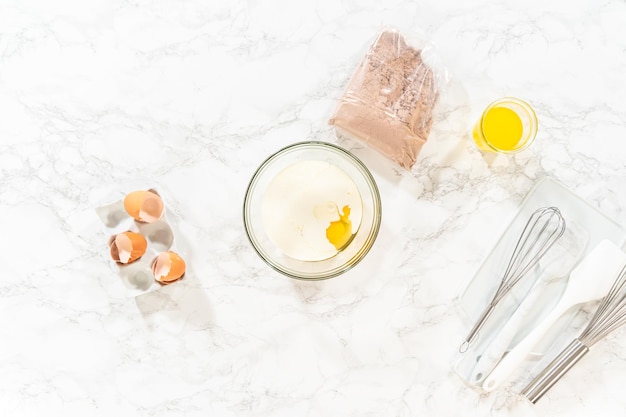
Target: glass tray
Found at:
x=585, y=228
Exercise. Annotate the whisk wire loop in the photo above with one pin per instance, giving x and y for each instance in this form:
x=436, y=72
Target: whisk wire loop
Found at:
x=610, y=314
x=544, y=227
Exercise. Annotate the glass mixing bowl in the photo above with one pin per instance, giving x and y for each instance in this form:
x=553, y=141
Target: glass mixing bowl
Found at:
x=347, y=256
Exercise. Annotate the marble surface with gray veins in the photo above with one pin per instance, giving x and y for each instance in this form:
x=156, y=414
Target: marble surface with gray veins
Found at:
x=101, y=98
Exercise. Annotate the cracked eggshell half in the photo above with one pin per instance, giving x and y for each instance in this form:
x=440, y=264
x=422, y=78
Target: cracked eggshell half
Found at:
x=144, y=206
x=168, y=267
x=127, y=247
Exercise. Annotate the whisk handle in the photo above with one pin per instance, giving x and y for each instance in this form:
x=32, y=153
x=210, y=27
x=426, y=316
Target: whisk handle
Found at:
x=479, y=324
x=498, y=346
x=555, y=370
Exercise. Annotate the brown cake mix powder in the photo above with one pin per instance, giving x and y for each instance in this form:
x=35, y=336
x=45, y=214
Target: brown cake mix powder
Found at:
x=389, y=100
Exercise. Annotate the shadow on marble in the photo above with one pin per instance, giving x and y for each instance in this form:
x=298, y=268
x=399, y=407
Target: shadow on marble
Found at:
x=364, y=279
x=453, y=157
x=490, y=158
x=374, y=161
x=182, y=305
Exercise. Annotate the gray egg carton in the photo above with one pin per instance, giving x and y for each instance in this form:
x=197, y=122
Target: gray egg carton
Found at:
x=137, y=276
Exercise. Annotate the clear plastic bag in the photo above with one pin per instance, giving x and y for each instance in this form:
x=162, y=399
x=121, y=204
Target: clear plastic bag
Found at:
x=389, y=100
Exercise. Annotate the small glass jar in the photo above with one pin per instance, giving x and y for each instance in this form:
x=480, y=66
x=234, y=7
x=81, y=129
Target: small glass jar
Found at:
x=508, y=125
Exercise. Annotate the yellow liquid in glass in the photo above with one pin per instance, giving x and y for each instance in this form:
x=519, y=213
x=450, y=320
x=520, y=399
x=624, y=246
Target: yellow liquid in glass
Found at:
x=502, y=128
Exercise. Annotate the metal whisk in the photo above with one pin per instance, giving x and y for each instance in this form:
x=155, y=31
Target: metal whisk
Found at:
x=544, y=227
x=610, y=315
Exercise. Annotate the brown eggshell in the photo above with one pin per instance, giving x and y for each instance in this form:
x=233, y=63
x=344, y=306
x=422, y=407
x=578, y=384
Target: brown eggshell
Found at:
x=144, y=206
x=127, y=247
x=168, y=267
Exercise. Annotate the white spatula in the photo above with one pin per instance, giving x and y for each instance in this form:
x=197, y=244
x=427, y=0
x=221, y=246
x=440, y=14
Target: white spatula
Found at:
x=564, y=256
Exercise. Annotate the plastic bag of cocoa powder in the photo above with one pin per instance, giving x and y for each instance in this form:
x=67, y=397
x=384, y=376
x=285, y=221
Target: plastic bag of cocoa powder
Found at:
x=390, y=98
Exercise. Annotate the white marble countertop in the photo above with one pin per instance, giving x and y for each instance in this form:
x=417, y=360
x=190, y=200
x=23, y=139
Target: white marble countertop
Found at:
x=190, y=97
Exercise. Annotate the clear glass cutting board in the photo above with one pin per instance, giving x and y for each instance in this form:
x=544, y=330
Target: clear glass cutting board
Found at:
x=585, y=228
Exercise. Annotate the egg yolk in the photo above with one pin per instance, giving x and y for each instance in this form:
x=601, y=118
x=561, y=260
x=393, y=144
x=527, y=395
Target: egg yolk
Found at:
x=340, y=231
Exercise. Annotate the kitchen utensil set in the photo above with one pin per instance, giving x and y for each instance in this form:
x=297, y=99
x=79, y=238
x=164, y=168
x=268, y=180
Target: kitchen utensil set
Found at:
x=601, y=274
